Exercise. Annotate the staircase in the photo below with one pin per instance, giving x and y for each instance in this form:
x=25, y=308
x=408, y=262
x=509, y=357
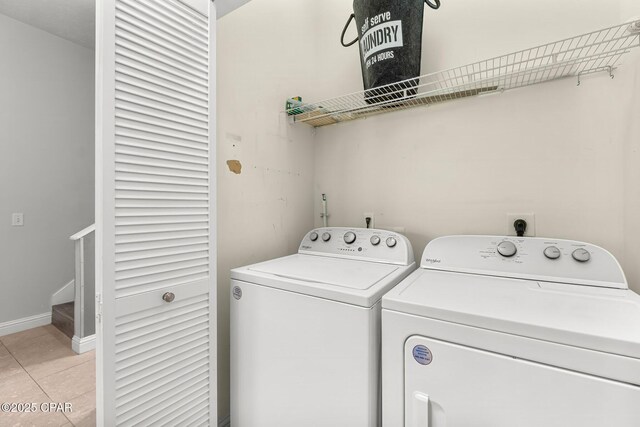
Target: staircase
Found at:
x=62, y=318
x=77, y=319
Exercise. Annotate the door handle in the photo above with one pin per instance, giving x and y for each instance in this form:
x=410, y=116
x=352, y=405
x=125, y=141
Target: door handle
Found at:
x=168, y=296
x=420, y=413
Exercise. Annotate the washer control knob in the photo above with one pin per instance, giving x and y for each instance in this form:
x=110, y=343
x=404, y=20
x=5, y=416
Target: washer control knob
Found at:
x=552, y=252
x=349, y=237
x=391, y=242
x=313, y=236
x=326, y=237
x=581, y=255
x=375, y=240
x=507, y=249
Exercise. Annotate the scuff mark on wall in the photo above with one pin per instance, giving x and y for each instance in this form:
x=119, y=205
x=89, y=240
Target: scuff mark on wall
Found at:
x=235, y=166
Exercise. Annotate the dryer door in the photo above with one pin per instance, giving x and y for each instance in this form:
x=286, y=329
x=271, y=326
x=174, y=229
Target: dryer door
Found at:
x=457, y=386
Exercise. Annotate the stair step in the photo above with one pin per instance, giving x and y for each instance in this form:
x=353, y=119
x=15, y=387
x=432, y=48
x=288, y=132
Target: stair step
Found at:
x=62, y=318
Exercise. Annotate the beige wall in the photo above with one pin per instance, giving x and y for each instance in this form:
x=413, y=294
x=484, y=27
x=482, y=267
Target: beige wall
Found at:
x=629, y=108
x=46, y=163
x=265, y=210
x=569, y=154
x=630, y=111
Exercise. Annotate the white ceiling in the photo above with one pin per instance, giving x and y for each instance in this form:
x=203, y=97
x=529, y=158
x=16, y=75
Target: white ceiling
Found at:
x=226, y=6
x=73, y=20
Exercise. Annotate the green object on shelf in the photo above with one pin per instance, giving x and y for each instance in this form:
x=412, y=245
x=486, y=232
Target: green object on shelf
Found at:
x=294, y=106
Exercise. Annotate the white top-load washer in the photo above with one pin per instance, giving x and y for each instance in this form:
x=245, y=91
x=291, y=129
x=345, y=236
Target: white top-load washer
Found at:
x=305, y=330
x=504, y=332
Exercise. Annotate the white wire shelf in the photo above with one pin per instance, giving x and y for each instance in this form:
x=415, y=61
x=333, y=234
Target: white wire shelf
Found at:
x=599, y=51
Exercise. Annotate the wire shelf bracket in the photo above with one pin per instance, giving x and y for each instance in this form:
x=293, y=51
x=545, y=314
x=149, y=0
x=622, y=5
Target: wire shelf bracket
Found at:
x=595, y=52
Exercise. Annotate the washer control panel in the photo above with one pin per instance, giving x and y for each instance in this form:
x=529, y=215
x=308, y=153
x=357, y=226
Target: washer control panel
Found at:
x=359, y=243
x=551, y=260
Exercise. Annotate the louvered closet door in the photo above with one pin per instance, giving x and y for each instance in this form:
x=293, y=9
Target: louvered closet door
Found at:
x=154, y=213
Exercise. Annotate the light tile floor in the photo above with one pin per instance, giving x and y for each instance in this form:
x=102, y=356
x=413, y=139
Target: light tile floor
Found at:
x=38, y=366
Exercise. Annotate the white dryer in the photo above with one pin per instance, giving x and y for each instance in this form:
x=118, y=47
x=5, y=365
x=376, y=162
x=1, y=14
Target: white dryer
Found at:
x=305, y=330
x=512, y=332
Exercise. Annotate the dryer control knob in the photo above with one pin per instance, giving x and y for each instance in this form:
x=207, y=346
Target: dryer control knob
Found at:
x=391, y=242
x=581, y=255
x=552, y=252
x=313, y=236
x=326, y=237
x=507, y=249
x=375, y=240
x=349, y=237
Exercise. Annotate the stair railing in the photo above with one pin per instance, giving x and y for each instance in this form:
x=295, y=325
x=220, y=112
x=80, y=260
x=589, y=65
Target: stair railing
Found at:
x=84, y=308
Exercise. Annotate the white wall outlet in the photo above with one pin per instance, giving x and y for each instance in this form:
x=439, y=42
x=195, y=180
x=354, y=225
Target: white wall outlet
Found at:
x=17, y=219
x=371, y=215
x=531, y=223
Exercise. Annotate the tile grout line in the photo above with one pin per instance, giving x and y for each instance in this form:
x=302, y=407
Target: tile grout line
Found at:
x=64, y=370
x=34, y=380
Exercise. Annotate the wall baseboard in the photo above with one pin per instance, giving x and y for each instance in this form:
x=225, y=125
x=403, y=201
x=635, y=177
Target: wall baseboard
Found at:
x=225, y=422
x=64, y=294
x=82, y=345
x=19, y=325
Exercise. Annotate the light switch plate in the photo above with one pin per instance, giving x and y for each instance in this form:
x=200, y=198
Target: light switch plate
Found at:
x=17, y=219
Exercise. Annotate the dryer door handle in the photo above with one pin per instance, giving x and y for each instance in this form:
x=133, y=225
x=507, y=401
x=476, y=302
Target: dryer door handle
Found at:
x=420, y=410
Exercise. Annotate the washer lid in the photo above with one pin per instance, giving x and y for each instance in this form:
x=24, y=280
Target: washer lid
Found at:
x=600, y=319
x=328, y=271
x=344, y=280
